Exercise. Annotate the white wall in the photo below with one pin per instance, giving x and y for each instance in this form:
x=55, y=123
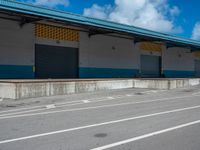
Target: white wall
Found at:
x=16, y=44
x=101, y=51
x=178, y=59
x=98, y=51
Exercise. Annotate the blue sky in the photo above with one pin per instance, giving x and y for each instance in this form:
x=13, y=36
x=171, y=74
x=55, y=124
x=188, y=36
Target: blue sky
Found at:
x=177, y=17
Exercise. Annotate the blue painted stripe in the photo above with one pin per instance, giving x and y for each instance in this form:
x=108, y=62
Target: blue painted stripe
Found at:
x=16, y=72
x=107, y=73
x=178, y=74
x=197, y=73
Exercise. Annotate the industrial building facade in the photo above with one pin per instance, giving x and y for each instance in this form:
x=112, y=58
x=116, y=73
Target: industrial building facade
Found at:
x=39, y=43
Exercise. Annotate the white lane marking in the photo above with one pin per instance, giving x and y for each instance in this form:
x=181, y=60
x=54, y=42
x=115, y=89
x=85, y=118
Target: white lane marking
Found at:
x=99, y=124
x=34, y=107
x=21, y=109
x=39, y=109
x=197, y=93
x=1, y=99
x=51, y=106
x=91, y=99
x=57, y=104
x=60, y=106
x=94, y=107
x=146, y=135
x=110, y=97
x=119, y=97
x=86, y=101
x=22, y=112
x=63, y=104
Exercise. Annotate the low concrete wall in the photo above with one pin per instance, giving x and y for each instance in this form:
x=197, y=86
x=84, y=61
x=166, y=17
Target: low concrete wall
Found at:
x=166, y=83
x=36, y=88
x=8, y=90
x=151, y=83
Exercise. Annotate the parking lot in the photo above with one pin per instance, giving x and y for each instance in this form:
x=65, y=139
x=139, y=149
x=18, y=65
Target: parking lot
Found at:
x=131, y=119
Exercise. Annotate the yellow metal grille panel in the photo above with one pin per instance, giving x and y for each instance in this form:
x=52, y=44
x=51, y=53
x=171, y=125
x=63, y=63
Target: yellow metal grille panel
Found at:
x=197, y=54
x=56, y=33
x=151, y=46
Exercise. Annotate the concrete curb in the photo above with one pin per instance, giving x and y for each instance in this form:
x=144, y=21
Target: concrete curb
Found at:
x=21, y=90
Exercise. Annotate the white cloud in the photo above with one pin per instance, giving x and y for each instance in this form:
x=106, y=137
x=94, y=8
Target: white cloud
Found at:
x=155, y=15
x=97, y=11
x=50, y=3
x=174, y=11
x=196, y=32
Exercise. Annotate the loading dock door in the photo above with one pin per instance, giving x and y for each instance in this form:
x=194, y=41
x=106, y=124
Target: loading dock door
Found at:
x=150, y=66
x=56, y=62
x=197, y=68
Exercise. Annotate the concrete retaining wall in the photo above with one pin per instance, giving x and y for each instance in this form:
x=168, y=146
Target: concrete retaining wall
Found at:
x=30, y=89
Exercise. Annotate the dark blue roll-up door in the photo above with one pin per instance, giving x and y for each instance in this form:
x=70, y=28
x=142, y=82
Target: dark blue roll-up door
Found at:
x=150, y=66
x=197, y=68
x=56, y=62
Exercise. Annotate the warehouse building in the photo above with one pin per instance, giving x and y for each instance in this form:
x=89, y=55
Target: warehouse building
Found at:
x=40, y=43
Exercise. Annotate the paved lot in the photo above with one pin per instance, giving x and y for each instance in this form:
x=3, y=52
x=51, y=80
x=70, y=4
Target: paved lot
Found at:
x=132, y=119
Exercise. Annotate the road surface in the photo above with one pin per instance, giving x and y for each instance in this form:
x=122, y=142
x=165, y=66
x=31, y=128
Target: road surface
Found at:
x=131, y=119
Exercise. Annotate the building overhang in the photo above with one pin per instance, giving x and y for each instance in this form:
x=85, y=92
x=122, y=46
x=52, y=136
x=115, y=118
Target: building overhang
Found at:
x=30, y=13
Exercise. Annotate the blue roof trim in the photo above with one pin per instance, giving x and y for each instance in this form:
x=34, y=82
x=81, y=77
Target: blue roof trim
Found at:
x=64, y=16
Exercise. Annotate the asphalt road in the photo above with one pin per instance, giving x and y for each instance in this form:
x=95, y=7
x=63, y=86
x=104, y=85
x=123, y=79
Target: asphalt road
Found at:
x=132, y=119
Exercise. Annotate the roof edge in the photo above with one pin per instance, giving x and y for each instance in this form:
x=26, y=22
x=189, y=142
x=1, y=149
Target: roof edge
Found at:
x=79, y=19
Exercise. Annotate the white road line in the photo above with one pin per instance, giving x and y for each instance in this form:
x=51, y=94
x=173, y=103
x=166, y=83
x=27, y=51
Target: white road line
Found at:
x=92, y=99
x=110, y=97
x=197, y=93
x=66, y=103
x=13, y=110
x=58, y=106
x=51, y=106
x=86, y=101
x=146, y=135
x=99, y=124
x=34, y=110
x=94, y=107
x=34, y=107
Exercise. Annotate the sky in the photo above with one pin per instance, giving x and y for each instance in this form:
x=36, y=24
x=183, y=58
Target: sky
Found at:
x=176, y=17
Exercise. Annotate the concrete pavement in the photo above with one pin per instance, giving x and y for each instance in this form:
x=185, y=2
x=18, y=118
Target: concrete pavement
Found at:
x=132, y=119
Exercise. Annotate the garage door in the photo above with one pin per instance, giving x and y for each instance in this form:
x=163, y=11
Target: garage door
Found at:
x=150, y=66
x=197, y=68
x=56, y=62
